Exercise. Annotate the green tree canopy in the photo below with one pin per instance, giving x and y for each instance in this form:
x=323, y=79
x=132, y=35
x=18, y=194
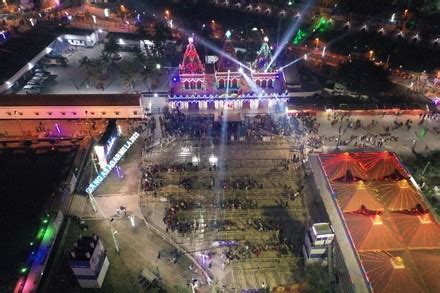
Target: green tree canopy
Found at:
x=364, y=76
x=111, y=47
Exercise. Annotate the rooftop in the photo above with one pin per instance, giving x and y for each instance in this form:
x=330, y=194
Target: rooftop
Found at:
x=70, y=100
x=83, y=245
x=323, y=228
x=124, y=36
x=393, y=232
x=18, y=51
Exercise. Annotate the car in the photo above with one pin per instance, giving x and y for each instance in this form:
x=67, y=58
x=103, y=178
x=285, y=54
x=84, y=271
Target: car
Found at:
x=33, y=82
x=42, y=75
x=31, y=87
x=39, y=70
x=37, y=78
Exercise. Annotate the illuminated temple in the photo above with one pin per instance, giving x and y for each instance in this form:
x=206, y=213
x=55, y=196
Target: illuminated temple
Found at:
x=229, y=86
x=380, y=213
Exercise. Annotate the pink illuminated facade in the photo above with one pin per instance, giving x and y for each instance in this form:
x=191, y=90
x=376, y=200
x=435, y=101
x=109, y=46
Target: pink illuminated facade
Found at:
x=230, y=87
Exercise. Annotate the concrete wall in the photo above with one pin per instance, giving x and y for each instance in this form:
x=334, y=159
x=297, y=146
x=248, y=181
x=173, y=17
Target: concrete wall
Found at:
x=70, y=112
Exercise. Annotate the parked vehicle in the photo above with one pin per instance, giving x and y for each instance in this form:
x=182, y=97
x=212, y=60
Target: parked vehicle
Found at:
x=39, y=70
x=32, y=89
x=54, y=61
x=33, y=82
x=42, y=75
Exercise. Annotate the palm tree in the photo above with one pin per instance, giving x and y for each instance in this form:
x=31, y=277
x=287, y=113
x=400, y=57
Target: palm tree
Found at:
x=129, y=71
x=111, y=48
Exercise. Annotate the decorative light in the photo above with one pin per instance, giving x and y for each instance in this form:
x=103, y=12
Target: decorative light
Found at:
x=266, y=39
x=106, y=170
x=213, y=159
x=393, y=17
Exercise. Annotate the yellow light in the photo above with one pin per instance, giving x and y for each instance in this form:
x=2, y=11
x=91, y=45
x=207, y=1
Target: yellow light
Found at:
x=397, y=262
x=377, y=220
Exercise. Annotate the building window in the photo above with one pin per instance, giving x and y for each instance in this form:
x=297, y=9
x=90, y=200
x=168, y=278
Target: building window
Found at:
x=186, y=83
x=135, y=112
x=199, y=85
x=193, y=84
x=258, y=82
x=221, y=84
x=116, y=112
x=234, y=83
x=73, y=113
x=92, y=113
x=63, y=113
x=49, y=113
x=37, y=113
x=264, y=84
x=270, y=84
x=103, y=113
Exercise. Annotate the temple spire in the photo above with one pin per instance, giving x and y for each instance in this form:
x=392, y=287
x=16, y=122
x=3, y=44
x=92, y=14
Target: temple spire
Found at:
x=225, y=63
x=264, y=56
x=191, y=63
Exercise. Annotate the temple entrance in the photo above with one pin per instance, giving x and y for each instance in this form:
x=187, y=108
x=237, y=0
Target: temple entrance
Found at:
x=193, y=106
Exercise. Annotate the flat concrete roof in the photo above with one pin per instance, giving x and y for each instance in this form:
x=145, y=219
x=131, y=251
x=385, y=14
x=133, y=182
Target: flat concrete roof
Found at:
x=70, y=100
x=19, y=50
x=348, y=251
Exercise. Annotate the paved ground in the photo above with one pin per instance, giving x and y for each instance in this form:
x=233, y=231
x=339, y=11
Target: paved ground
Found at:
x=72, y=79
x=262, y=161
x=403, y=145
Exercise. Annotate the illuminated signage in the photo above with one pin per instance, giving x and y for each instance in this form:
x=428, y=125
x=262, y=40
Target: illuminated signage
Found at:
x=110, y=144
x=106, y=170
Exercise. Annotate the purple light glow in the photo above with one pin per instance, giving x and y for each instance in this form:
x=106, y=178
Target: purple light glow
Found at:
x=58, y=128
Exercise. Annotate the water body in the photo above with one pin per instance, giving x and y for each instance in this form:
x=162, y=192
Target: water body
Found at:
x=27, y=184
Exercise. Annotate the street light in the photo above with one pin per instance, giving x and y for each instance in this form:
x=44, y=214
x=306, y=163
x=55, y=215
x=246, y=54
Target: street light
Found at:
x=317, y=42
x=158, y=66
x=371, y=53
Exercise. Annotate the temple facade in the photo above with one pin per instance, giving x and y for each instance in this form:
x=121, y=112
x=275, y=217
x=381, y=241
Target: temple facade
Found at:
x=231, y=86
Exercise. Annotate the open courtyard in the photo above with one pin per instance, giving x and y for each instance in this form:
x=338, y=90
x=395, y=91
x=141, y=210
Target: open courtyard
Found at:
x=234, y=206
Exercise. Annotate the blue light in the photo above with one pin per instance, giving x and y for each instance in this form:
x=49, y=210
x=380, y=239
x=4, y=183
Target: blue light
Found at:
x=106, y=170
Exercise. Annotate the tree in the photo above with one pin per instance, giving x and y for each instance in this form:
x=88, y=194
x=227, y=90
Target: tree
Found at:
x=317, y=278
x=129, y=71
x=149, y=68
x=111, y=48
x=95, y=69
x=364, y=76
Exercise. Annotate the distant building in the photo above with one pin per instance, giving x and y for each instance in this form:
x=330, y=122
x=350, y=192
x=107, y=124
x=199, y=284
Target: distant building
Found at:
x=79, y=37
x=73, y=106
x=20, y=55
x=317, y=243
x=88, y=261
x=387, y=236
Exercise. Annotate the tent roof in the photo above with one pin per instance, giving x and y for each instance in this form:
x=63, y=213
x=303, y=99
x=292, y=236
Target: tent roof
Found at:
x=381, y=164
x=352, y=196
x=418, y=231
x=386, y=276
x=428, y=263
x=337, y=165
x=398, y=195
x=369, y=233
